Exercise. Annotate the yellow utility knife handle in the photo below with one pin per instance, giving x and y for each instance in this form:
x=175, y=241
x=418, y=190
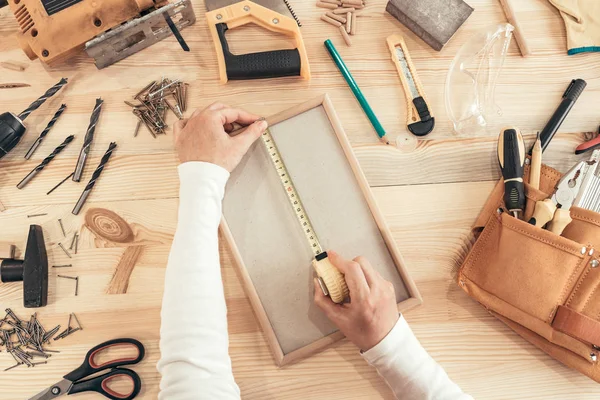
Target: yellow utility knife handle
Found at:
x=394, y=41
x=333, y=280
x=247, y=12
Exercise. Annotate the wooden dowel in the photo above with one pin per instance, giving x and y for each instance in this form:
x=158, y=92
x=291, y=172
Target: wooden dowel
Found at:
x=12, y=66
x=336, y=17
x=345, y=35
x=353, y=29
x=331, y=21
x=352, y=2
x=343, y=10
x=518, y=32
x=336, y=2
x=326, y=5
x=348, y=22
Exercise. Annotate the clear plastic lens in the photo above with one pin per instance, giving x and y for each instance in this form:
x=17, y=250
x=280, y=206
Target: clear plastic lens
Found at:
x=472, y=78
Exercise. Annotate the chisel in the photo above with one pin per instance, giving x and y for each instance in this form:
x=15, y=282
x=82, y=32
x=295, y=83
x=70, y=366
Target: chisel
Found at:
x=511, y=155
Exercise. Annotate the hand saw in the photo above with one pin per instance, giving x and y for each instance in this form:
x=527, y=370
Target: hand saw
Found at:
x=274, y=15
x=419, y=119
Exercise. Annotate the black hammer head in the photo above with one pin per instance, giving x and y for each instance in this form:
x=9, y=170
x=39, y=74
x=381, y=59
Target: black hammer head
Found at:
x=33, y=271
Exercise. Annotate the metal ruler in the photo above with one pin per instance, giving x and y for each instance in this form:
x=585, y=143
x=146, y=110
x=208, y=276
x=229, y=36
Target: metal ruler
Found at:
x=292, y=193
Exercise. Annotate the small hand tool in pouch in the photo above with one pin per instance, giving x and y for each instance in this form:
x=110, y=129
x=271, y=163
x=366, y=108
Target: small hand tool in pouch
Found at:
x=419, y=119
x=274, y=15
x=511, y=155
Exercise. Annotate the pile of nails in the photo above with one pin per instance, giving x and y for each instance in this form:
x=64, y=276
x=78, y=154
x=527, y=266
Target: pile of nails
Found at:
x=27, y=340
x=154, y=101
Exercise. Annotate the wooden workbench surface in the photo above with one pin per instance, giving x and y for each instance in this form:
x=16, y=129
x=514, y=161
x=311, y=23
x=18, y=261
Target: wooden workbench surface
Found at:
x=430, y=192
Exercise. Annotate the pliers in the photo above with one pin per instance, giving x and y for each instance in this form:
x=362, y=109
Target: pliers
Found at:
x=555, y=211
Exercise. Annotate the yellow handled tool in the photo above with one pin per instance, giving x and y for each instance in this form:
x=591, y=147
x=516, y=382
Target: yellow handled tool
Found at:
x=274, y=15
x=556, y=211
x=330, y=278
x=419, y=119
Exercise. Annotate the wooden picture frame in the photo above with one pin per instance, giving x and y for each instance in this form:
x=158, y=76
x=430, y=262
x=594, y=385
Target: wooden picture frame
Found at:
x=413, y=296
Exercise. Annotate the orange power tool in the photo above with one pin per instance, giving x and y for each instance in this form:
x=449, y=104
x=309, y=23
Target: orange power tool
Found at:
x=108, y=30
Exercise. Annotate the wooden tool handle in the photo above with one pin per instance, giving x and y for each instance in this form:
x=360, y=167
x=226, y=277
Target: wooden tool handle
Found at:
x=561, y=219
x=247, y=12
x=543, y=213
x=333, y=279
x=518, y=32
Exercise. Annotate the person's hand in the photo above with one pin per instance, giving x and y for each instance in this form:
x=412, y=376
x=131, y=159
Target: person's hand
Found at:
x=205, y=135
x=372, y=311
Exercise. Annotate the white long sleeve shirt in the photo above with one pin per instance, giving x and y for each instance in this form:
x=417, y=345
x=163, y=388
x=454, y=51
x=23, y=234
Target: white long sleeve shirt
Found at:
x=194, y=343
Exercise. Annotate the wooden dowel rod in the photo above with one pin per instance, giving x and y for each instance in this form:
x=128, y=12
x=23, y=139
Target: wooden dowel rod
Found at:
x=326, y=5
x=336, y=17
x=343, y=10
x=518, y=32
x=348, y=23
x=331, y=21
x=345, y=35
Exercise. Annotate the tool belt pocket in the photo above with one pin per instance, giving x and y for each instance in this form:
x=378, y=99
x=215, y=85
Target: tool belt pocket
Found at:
x=544, y=286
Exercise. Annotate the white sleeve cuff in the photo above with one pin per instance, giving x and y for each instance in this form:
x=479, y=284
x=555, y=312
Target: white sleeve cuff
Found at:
x=389, y=345
x=193, y=171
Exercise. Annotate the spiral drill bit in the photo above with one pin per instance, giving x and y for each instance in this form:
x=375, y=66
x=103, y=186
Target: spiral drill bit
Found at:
x=36, y=104
x=95, y=176
x=46, y=130
x=87, y=141
x=46, y=161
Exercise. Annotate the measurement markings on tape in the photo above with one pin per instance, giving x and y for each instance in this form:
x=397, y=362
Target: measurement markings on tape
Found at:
x=292, y=193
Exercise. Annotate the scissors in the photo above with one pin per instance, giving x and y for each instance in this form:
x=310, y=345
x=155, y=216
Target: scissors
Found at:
x=75, y=382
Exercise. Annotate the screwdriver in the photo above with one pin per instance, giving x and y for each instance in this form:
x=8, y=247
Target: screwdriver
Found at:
x=511, y=156
x=11, y=125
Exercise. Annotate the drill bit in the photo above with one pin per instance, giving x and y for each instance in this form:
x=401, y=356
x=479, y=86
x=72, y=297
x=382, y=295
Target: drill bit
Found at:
x=36, y=104
x=94, y=178
x=46, y=130
x=46, y=161
x=87, y=141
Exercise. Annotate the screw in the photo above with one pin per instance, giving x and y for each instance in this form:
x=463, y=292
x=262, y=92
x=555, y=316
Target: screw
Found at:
x=275, y=20
x=65, y=250
x=36, y=215
x=39, y=363
x=45, y=53
x=219, y=17
x=55, y=390
x=77, y=320
x=62, y=228
x=246, y=8
x=14, y=366
x=67, y=277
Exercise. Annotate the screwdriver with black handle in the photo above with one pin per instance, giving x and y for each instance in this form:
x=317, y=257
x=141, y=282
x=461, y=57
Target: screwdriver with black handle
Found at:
x=511, y=155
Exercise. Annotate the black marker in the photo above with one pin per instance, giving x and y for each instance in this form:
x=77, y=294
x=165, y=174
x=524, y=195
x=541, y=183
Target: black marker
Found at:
x=569, y=98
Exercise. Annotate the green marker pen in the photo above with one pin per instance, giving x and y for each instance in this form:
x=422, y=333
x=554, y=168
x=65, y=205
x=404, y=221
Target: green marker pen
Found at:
x=356, y=90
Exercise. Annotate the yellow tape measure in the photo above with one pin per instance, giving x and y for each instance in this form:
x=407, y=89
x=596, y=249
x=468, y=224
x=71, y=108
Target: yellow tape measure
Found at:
x=292, y=193
x=331, y=280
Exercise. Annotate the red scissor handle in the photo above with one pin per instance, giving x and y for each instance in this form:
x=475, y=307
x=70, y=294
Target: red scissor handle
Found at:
x=90, y=367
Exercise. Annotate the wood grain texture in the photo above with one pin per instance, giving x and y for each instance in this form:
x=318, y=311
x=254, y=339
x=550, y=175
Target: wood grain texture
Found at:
x=429, y=191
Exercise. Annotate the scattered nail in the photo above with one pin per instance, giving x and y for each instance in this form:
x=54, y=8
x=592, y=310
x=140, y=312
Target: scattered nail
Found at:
x=65, y=250
x=36, y=215
x=62, y=228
